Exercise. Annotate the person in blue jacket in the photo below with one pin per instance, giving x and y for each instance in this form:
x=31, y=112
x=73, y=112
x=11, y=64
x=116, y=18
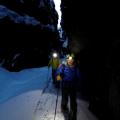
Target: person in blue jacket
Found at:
x=69, y=75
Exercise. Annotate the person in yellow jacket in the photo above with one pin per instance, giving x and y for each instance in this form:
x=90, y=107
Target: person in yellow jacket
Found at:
x=54, y=63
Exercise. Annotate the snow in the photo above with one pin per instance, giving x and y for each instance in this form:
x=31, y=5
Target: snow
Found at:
x=20, y=92
x=20, y=82
x=58, y=9
x=30, y=95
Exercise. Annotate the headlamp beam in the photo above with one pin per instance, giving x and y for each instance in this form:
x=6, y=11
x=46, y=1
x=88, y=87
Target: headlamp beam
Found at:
x=54, y=55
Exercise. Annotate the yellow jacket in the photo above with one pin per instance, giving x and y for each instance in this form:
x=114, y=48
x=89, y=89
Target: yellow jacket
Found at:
x=54, y=62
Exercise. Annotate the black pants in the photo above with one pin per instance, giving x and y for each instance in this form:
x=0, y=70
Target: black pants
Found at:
x=57, y=83
x=54, y=75
x=69, y=92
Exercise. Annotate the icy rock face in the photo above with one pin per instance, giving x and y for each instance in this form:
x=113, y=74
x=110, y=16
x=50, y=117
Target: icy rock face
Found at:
x=32, y=29
x=44, y=10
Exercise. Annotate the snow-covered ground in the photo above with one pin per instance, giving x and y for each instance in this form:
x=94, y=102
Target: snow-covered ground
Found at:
x=30, y=95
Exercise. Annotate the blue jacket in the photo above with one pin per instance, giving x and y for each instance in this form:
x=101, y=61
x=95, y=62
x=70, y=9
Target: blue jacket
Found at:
x=69, y=74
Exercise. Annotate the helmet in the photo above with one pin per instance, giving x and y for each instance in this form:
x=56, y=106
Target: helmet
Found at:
x=70, y=56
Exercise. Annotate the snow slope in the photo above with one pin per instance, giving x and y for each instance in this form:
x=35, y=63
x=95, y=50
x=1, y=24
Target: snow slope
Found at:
x=30, y=95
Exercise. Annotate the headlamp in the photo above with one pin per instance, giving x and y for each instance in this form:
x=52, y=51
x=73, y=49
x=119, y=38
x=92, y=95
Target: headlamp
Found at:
x=55, y=55
x=70, y=58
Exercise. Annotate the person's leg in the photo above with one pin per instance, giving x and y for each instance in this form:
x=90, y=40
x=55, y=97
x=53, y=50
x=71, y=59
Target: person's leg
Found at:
x=53, y=76
x=64, y=102
x=55, y=82
x=73, y=104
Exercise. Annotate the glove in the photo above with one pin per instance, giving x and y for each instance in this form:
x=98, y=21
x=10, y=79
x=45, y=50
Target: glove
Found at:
x=58, y=78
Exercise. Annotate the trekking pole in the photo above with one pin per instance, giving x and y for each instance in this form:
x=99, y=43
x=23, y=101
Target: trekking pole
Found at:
x=56, y=103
